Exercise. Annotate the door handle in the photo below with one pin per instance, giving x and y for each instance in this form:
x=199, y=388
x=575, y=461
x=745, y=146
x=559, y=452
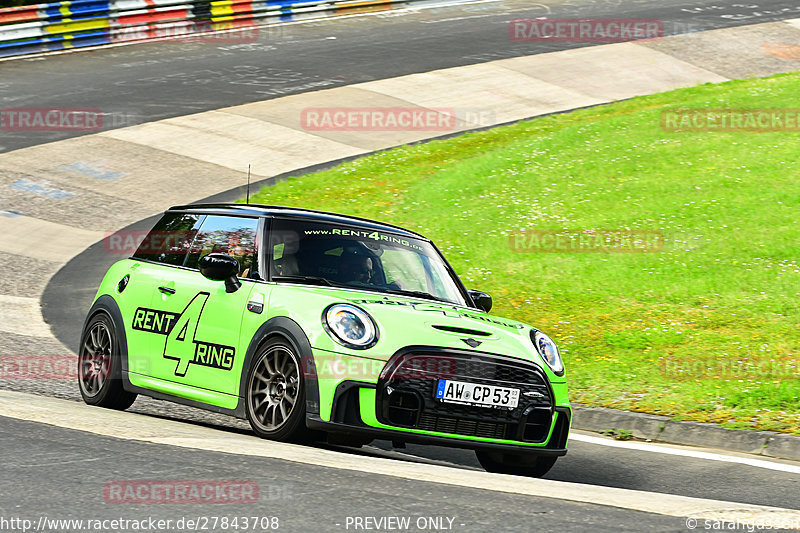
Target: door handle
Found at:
x=167, y=290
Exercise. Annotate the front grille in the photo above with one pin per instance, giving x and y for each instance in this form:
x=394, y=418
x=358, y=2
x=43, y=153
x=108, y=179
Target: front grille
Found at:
x=406, y=395
x=460, y=426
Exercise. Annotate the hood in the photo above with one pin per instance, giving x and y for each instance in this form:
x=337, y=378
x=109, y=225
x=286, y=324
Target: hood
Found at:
x=407, y=321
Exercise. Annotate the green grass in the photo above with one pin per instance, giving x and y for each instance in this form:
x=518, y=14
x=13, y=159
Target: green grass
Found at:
x=724, y=291
x=15, y=3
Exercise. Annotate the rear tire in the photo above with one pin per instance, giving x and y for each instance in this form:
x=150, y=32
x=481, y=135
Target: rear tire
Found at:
x=276, y=398
x=99, y=366
x=518, y=465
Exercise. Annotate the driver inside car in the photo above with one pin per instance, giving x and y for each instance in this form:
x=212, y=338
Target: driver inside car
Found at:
x=357, y=269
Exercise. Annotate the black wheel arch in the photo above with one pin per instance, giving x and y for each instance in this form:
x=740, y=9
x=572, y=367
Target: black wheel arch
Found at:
x=291, y=332
x=107, y=305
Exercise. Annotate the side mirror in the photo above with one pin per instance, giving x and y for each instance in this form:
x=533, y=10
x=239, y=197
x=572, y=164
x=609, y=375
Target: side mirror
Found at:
x=481, y=300
x=221, y=267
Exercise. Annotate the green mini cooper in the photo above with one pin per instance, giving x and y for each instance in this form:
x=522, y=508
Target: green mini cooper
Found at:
x=313, y=325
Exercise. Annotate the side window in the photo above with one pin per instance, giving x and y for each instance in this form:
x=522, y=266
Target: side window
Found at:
x=234, y=236
x=284, y=250
x=170, y=239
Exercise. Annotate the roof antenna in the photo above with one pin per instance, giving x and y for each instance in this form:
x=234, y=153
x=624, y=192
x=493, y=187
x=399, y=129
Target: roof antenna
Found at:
x=248, y=184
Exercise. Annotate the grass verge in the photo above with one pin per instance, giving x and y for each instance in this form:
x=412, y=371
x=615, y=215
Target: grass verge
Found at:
x=705, y=329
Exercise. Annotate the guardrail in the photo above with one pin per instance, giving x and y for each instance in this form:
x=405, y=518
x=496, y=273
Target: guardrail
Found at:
x=79, y=23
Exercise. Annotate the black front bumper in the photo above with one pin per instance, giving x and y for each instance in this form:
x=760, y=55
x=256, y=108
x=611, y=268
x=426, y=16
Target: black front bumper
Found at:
x=555, y=448
x=346, y=420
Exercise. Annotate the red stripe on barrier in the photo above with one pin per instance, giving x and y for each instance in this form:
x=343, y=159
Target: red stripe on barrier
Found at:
x=153, y=15
x=246, y=23
x=243, y=7
x=19, y=14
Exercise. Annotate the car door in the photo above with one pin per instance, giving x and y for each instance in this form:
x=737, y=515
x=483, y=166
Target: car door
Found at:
x=199, y=353
x=162, y=250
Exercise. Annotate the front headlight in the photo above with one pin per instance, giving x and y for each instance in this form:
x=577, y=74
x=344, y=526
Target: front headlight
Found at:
x=350, y=326
x=548, y=350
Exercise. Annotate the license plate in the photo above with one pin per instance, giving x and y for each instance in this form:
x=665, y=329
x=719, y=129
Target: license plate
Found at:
x=475, y=394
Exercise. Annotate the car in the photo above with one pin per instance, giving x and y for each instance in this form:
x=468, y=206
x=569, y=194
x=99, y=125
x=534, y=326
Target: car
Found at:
x=313, y=325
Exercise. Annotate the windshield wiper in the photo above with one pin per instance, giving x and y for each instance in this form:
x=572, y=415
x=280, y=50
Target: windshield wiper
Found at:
x=418, y=294
x=307, y=279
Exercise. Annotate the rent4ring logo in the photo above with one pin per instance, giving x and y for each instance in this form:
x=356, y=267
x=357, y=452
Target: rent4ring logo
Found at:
x=50, y=119
x=585, y=30
x=180, y=330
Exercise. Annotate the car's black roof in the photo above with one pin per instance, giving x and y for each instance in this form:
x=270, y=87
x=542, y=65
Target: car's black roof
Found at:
x=294, y=213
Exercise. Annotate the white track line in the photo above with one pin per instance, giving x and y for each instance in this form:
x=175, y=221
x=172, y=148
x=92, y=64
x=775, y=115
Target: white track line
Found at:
x=72, y=415
x=694, y=454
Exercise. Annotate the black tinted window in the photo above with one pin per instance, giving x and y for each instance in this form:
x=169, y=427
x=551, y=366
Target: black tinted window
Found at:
x=357, y=257
x=169, y=240
x=234, y=236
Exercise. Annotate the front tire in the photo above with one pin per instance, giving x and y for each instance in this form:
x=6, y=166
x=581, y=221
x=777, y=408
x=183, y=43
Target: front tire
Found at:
x=99, y=366
x=276, y=398
x=518, y=465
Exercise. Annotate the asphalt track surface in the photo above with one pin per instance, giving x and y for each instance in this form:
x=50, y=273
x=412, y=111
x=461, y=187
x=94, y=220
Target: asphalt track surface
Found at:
x=63, y=469
x=77, y=465
x=152, y=81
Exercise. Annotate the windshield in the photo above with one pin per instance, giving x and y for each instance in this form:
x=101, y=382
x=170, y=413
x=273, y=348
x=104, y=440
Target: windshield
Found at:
x=348, y=256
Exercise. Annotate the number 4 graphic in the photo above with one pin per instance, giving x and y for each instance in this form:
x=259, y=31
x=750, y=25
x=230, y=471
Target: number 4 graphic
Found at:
x=180, y=344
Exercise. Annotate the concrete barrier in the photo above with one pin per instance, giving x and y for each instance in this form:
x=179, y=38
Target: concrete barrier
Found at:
x=80, y=23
